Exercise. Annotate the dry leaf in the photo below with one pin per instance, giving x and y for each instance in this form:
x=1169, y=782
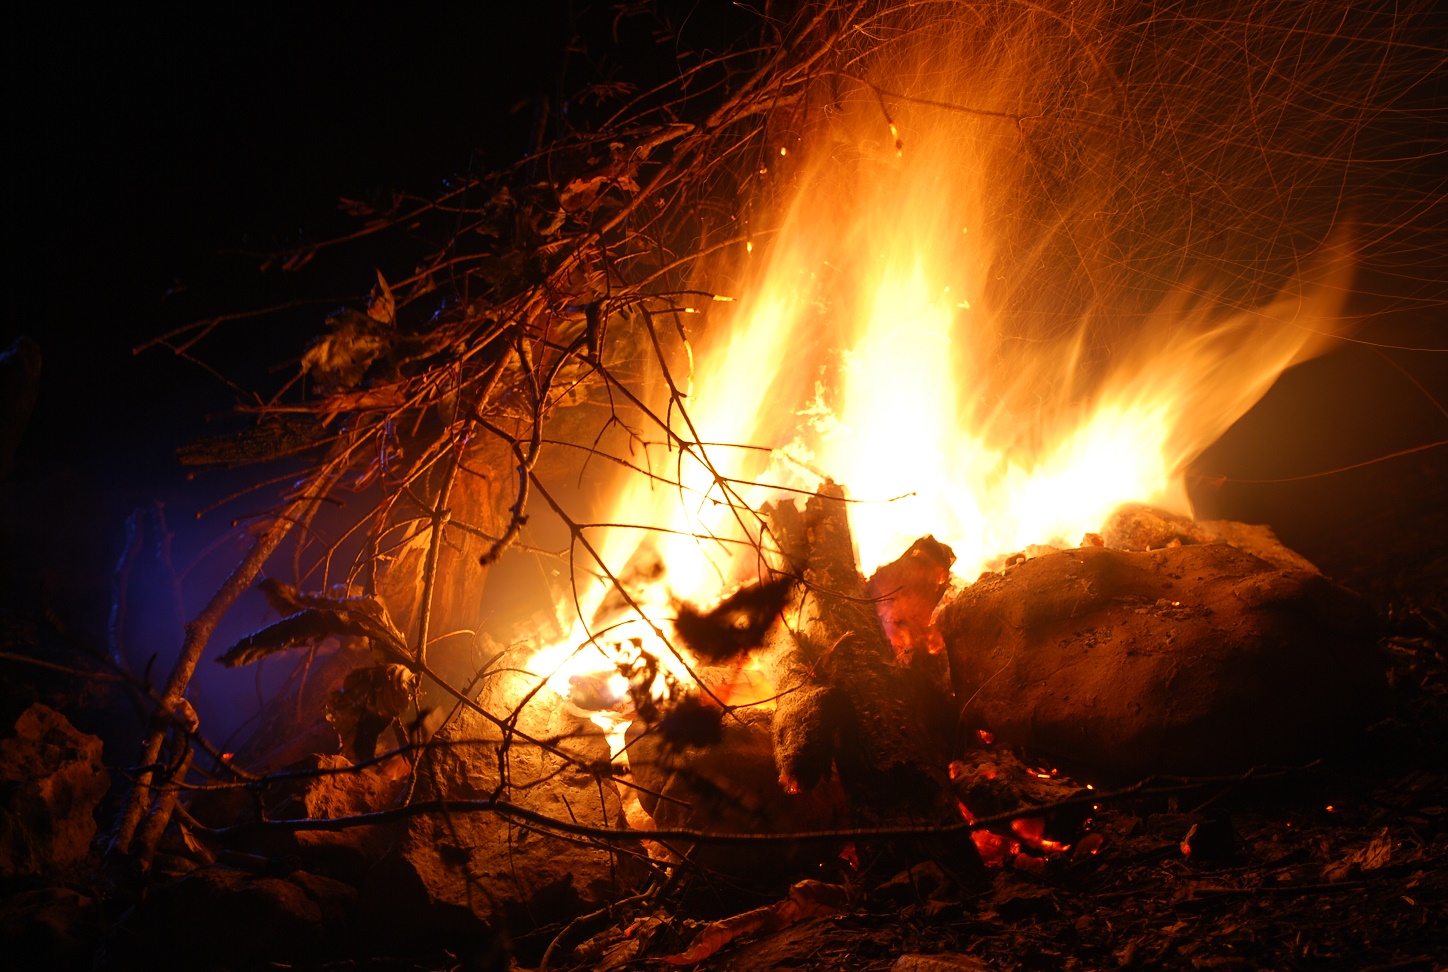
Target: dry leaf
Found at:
x=314, y=618
x=381, y=306
x=337, y=361
x=1377, y=853
x=367, y=703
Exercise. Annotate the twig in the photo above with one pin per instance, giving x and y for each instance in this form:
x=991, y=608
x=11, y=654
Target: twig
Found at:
x=505, y=808
x=198, y=633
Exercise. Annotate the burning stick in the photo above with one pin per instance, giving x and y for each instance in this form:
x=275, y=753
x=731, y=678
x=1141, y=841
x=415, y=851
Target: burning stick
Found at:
x=842, y=684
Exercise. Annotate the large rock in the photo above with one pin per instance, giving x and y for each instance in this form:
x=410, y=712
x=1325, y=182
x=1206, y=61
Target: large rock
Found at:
x=1193, y=659
x=732, y=787
x=49, y=928
x=468, y=876
x=237, y=920
x=346, y=854
x=52, y=780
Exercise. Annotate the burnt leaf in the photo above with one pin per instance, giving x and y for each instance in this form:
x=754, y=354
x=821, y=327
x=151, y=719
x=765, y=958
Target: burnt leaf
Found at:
x=737, y=625
x=271, y=439
x=369, y=701
x=691, y=722
x=294, y=631
x=381, y=305
x=312, y=618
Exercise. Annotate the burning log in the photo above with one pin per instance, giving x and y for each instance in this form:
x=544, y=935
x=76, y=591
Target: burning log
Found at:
x=906, y=592
x=843, y=695
x=1197, y=658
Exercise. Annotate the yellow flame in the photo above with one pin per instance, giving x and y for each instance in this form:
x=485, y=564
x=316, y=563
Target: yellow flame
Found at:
x=883, y=345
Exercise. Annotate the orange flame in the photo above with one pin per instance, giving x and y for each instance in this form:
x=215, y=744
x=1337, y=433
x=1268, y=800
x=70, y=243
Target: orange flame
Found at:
x=880, y=342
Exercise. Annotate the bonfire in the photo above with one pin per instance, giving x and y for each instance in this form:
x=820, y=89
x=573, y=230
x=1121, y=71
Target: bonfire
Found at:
x=828, y=420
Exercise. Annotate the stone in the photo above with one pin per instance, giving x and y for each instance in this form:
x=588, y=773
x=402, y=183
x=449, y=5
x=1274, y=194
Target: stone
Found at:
x=349, y=853
x=732, y=787
x=471, y=876
x=52, y=780
x=1196, y=659
x=49, y=928
x=346, y=854
x=1138, y=528
x=238, y=919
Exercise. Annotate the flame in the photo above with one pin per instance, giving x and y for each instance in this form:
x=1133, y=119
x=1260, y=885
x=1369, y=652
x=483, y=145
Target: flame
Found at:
x=942, y=415
x=894, y=338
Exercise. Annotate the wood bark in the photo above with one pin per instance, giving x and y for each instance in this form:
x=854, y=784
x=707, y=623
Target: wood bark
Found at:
x=843, y=695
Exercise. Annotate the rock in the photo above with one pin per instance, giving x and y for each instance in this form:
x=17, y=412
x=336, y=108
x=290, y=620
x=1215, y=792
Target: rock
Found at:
x=238, y=919
x=344, y=853
x=53, y=780
x=732, y=787
x=1194, y=659
x=1259, y=541
x=1138, y=527
x=336, y=901
x=49, y=928
x=470, y=876
x=1016, y=899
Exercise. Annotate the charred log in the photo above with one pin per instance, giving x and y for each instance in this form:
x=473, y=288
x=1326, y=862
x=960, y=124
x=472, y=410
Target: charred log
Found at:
x=844, y=671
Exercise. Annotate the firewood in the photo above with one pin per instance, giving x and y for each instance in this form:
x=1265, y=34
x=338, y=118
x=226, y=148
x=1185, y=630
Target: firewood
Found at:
x=807, y=717
x=883, y=751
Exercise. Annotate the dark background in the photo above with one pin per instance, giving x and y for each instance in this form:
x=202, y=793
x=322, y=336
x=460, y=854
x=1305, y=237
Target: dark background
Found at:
x=147, y=144
x=155, y=154
x=152, y=150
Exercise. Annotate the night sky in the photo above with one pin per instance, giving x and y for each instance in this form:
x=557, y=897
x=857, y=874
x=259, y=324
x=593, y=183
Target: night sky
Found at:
x=151, y=145
x=155, y=152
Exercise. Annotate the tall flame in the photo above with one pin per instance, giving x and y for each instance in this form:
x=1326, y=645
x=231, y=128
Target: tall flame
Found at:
x=965, y=364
